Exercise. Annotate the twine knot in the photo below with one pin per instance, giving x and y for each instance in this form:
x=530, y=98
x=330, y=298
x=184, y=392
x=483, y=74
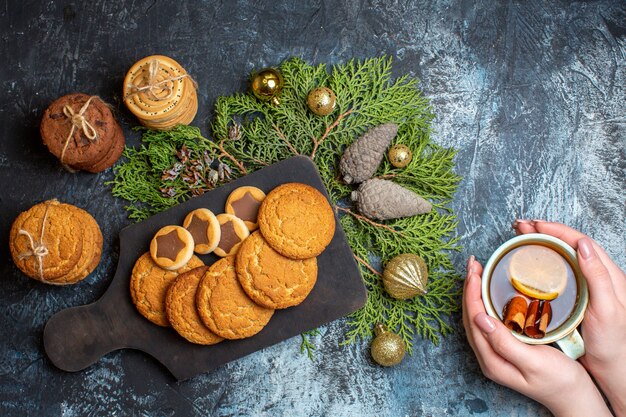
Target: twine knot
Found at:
x=153, y=84
x=78, y=121
x=38, y=250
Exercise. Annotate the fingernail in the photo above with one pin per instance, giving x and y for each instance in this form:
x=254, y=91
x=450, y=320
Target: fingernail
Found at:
x=538, y=221
x=522, y=221
x=470, y=262
x=484, y=323
x=585, y=247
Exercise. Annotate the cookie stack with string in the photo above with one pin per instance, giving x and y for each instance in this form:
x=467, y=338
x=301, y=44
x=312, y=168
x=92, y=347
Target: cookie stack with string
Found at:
x=160, y=93
x=56, y=243
x=82, y=133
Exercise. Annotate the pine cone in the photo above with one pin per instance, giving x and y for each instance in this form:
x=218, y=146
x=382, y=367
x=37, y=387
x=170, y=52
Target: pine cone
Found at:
x=385, y=200
x=361, y=159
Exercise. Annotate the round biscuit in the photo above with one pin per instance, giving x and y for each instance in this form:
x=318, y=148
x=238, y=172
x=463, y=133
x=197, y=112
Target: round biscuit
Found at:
x=297, y=220
x=223, y=305
x=149, y=284
x=271, y=279
x=182, y=313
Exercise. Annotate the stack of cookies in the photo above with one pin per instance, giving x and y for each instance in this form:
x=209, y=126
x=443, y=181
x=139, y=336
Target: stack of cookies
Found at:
x=272, y=268
x=160, y=93
x=81, y=131
x=56, y=243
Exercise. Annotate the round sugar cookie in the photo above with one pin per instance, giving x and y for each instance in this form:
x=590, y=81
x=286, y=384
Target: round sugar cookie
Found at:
x=233, y=231
x=149, y=284
x=223, y=305
x=244, y=202
x=92, y=248
x=46, y=241
x=182, y=313
x=269, y=278
x=296, y=220
x=171, y=247
x=205, y=230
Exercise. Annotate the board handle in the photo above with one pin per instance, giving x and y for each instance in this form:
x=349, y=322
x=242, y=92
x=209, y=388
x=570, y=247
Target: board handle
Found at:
x=77, y=337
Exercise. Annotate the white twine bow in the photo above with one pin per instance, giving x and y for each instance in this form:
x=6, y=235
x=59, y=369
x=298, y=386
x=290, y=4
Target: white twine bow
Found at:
x=153, y=84
x=37, y=250
x=78, y=121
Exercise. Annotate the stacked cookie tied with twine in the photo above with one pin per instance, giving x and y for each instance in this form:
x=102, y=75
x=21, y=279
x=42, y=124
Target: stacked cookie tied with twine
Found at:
x=82, y=133
x=160, y=93
x=235, y=298
x=56, y=243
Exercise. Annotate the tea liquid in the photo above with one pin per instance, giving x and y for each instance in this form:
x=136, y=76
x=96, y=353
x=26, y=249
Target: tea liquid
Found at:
x=502, y=291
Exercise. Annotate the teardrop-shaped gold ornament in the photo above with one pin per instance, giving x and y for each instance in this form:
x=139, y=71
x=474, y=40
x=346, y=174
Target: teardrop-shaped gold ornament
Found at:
x=405, y=276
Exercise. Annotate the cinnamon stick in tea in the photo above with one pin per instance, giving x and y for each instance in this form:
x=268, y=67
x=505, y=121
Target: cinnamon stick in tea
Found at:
x=538, y=319
x=515, y=314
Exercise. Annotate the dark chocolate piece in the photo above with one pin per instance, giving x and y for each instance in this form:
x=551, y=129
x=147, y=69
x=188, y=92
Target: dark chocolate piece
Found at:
x=229, y=236
x=247, y=207
x=169, y=246
x=198, y=229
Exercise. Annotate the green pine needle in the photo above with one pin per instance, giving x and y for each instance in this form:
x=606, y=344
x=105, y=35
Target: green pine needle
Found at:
x=366, y=97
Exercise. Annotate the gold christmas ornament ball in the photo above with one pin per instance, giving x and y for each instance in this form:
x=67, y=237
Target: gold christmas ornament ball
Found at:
x=321, y=101
x=400, y=155
x=405, y=276
x=267, y=84
x=387, y=348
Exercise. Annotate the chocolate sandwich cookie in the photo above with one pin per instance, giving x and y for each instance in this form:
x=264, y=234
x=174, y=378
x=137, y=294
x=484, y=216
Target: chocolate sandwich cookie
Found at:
x=46, y=241
x=205, y=230
x=223, y=305
x=171, y=247
x=233, y=231
x=297, y=221
x=182, y=313
x=149, y=284
x=244, y=202
x=270, y=279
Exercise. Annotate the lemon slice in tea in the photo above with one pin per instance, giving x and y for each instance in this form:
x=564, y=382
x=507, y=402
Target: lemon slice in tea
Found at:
x=538, y=272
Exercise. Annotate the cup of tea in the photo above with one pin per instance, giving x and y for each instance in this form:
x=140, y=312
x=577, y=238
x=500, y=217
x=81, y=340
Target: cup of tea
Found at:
x=533, y=284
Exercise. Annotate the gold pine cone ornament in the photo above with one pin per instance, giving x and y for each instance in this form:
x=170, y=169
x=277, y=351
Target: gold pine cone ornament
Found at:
x=405, y=276
x=387, y=348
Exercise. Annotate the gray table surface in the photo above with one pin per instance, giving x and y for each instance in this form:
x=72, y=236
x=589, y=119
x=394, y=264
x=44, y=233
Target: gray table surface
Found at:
x=531, y=93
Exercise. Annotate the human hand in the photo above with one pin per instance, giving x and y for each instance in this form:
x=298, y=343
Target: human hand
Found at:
x=539, y=372
x=604, y=325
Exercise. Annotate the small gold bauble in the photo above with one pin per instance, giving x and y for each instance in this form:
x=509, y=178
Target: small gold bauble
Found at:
x=400, y=155
x=267, y=84
x=405, y=276
x=321, y=101
x=387, y=347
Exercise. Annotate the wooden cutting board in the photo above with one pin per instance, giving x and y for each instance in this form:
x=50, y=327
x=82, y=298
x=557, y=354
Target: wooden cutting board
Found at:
x=77, y=337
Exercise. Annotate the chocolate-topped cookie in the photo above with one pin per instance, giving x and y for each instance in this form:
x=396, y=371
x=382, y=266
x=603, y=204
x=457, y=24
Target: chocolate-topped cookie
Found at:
x=244, y=202
x=205, y=229
x=81, y=131
x=233, y=231
x=171, y=247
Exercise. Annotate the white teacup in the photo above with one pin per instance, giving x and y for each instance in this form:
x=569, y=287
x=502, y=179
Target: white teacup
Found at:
x=566, y=336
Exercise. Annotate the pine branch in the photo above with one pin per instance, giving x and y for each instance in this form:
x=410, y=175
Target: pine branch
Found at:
x=366, y=96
